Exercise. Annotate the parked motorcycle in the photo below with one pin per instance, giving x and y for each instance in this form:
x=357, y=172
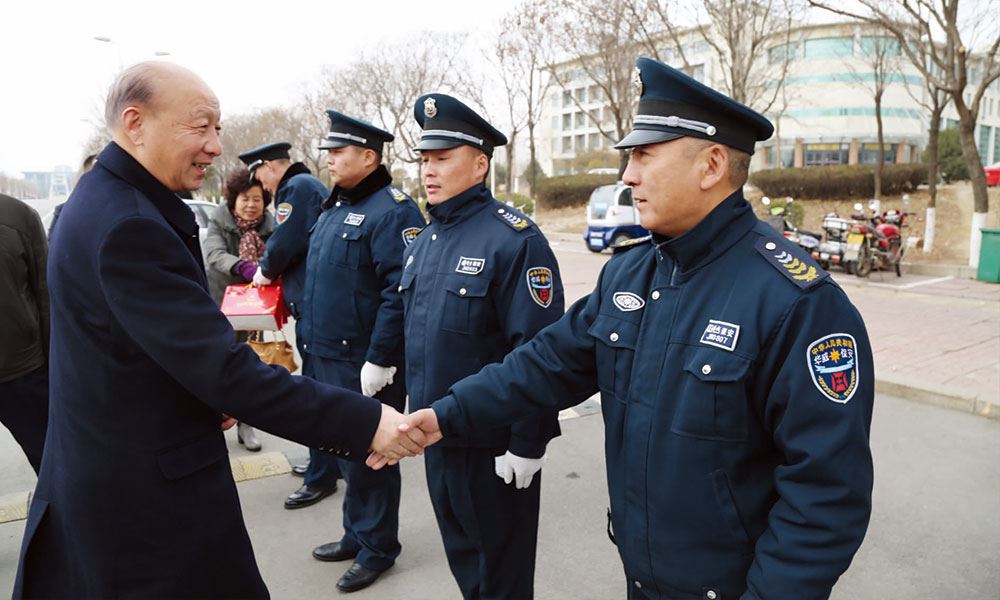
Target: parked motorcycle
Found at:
x=875, y=241
x=776, y=217
x=834, y=243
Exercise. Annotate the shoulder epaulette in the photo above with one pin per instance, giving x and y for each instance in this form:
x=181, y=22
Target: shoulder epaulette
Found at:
x=791, y=261
x=397, y=194
x=630, y=243
x=512, y=218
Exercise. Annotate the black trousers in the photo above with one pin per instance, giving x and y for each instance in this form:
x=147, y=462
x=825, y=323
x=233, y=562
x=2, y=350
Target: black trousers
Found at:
x=24, y=410
x=489, y=528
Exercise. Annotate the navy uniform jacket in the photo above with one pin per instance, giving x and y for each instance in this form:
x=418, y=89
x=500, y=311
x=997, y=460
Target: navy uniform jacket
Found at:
x=136, y=496
x=353, y=311
x=477, y=282
x=296, y=208
x=736, y=385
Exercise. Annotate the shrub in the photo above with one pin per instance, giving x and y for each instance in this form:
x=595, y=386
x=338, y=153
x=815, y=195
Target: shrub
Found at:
x=520, y=201
x=569, y=190
x=951, y=162
x=838, y=181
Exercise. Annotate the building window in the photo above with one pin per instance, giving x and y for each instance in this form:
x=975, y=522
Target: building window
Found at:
x=825, y=154
x=581, y=95
x=780, y=54
x=696, y=72
x=581, y=142
x=787, y=157
x=581, y=119
x=996, y=145
x=871, y=45
x=829, y=47
x=984, y=144
x=868, y=154
x=595, y=141
x=594, y=94
x=567, y=144
x=950, y=124
x=567, y=99
x=567, y=121
x=555, y=122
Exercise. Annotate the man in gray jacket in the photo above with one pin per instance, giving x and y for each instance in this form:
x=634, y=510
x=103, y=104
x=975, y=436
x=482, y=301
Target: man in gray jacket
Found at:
x=24, y=327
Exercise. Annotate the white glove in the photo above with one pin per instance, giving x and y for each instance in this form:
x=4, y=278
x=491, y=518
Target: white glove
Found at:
x=374, y=378
x=520, y=470
x=259, y=279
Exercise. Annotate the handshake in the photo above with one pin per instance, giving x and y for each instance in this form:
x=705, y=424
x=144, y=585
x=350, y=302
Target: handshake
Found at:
x=400, y=436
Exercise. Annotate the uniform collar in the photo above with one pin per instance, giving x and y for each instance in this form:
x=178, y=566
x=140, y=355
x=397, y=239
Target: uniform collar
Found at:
x=373, y=182
x=460, y=207
x=711, y=237
x=295, y=169
x=115, y=159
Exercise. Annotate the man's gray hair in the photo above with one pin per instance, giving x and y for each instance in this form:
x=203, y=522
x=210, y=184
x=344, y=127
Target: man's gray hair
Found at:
x=133, y=87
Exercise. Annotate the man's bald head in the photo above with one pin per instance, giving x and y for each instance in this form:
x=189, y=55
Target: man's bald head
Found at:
x=141, y=85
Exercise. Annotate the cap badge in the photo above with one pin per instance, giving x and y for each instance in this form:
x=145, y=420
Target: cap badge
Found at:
x=637, y=81
x=430, y=108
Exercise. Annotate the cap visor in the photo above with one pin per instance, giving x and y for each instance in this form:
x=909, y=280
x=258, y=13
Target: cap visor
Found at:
x=642, y=137
x=437, y=144
x=329, y=145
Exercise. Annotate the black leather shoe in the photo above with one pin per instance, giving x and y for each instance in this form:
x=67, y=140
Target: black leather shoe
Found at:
x=300, y=470
x=357, y=578
x=307, y=496
x=333, y=552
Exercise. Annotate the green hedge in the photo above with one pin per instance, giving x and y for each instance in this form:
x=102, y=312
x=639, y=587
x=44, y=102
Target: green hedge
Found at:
x=839, y=181
x=569, y=190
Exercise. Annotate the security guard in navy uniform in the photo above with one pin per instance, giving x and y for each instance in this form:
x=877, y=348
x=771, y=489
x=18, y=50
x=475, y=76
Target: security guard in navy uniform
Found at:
x=479, y=281
x=297, y=199
x=352, y=325
x=735, y=376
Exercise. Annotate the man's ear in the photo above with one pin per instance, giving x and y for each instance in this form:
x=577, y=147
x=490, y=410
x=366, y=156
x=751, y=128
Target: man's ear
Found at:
x=482, y=164
x=371, y=158
x=132, y=120
x=714, y=165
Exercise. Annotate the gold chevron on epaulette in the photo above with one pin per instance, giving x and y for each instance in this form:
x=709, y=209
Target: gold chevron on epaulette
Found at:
x=512, y=219
x=791, y=261
x=397, y=194
x=629, y=243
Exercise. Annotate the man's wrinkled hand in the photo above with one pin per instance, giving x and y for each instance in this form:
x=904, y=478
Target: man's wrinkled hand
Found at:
x=394, y=439
x=422, y=425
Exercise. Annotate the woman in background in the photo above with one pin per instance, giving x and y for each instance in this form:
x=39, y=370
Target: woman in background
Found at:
x=234, y=244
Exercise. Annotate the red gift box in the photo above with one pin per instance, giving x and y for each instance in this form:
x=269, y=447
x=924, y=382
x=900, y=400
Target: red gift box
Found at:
x=251, y=308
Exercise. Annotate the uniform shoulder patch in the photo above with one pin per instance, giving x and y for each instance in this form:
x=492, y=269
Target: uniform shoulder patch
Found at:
x=282, y=213
x=833, y=366
x=512, y=218
x=397, y=194
x=628, y=244
x=791, y=261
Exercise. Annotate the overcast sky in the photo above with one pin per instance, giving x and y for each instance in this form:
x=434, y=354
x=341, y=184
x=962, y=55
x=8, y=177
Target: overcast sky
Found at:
x=54, y=74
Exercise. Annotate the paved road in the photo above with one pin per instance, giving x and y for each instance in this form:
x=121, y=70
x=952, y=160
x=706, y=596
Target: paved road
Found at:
x=935, y=530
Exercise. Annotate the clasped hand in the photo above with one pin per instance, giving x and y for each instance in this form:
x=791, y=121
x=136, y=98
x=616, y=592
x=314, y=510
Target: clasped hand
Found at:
x=399, y=436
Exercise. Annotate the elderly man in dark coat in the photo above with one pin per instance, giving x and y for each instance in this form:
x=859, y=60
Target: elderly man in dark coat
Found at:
x=136, y=497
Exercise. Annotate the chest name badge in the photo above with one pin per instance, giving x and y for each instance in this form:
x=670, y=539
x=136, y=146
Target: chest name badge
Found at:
x=721, y=335
x=409, y=234
x=354, y=219
x=833, y=365
x=470, y=266
x=627, y=301
x=540, y=285
x=282, y=213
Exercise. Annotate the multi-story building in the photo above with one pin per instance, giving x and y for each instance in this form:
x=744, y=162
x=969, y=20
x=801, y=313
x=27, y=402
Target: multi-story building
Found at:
x=824, y=112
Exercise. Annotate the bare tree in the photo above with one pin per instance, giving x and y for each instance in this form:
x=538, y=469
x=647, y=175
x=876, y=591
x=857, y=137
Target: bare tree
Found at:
x=598, y=39
x=880, y=62
x=520, y=54
x=948, y=65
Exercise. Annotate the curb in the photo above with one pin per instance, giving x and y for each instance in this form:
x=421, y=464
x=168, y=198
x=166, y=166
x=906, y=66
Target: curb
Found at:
x=939, y=270
x=14, y=507
x=941, y=397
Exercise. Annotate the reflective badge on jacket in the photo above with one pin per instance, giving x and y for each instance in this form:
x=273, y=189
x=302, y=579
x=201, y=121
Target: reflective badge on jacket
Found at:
x=282, y=213
x=540, y=285
x=409, y=234
x=354, y=219
x=627, y=301
x=833, y=366
x=721, y=335
x=470, y=266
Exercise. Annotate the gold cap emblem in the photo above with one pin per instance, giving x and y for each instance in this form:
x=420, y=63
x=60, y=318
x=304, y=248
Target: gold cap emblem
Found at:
x=430, y=108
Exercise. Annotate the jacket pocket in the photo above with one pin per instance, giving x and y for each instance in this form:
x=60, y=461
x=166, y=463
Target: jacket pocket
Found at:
x=179, y=462
x=466, y=306
x=615, y=349
x=727, y=508
x=712, y=401
x=346, y=248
